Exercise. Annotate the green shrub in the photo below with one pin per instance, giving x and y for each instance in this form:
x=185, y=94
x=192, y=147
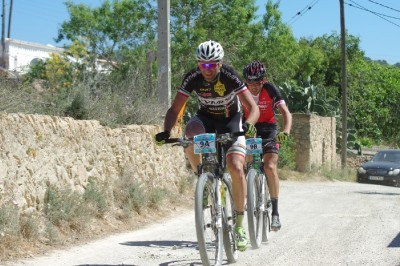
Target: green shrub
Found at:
x=95, y=196
x=66, y=208
x=287, y=155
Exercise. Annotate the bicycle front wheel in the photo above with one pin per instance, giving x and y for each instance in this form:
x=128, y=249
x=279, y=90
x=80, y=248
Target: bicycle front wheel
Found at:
x=229, y=220
x=254, y=207
x=208, y=224
x=267, y=212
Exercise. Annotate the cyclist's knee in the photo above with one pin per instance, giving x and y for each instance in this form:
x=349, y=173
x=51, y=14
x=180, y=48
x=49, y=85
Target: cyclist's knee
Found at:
x=235, y=163
x=270, y=167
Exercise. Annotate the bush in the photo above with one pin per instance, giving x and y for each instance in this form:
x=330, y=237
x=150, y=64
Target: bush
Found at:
x=287, y=155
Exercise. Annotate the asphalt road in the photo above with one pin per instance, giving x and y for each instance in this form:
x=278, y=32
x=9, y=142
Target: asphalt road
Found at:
x=323, y=223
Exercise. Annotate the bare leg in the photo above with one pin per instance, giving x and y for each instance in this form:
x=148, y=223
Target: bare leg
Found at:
x=270, y=168
x=235, y=164
x=193, y=127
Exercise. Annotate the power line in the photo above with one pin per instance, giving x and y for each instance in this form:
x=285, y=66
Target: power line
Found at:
x=302, y=12
x=376, y=13
x=384, y=6
x=382, y=16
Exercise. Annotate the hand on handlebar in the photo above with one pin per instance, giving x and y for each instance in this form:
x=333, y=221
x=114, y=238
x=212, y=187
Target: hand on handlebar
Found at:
x=250, y=130
x=282, y=137
x=161, y=137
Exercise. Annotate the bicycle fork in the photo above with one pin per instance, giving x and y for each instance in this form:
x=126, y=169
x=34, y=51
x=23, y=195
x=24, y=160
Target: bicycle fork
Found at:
x=218, y=210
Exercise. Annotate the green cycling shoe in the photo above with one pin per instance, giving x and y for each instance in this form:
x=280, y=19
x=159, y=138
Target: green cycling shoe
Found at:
x=241, y=238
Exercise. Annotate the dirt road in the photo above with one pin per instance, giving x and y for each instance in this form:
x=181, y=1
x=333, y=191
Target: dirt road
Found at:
x=323, y=223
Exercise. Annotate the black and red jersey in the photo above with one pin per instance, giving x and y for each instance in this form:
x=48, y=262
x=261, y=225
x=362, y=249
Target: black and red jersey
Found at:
x=269, y=98
x=219, y=98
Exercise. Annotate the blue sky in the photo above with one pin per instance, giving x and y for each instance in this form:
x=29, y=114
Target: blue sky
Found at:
x=38, y=21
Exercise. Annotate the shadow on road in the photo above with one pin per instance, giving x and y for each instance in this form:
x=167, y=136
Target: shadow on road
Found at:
x=107, y=265
x=180, y=262
x=161, y=244
x=395, y=242
x=377, y=193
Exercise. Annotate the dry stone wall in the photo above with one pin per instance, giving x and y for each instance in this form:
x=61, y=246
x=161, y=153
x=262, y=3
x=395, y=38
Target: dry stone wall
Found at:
x=315, y=138
x=38, y=150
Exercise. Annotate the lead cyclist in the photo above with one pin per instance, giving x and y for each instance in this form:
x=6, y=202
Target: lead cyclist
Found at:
x=220, y=93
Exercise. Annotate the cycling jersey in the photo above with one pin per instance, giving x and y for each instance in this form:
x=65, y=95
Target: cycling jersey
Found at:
x=217, y=99
x=269, y=98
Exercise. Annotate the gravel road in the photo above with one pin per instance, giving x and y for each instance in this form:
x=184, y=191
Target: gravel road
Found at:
x=323, y=223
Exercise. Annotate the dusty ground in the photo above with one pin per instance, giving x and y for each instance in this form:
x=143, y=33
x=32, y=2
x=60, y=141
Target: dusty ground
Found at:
x=323, y=223
x=110, y=225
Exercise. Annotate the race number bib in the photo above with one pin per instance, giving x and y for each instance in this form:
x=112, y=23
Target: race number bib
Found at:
x=204, y=143
x=254, y=145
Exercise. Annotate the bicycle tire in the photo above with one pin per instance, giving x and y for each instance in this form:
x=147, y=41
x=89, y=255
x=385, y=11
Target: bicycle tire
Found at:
x=267, y=213
x=209, y=233
x=229, y=220
x=254, y=213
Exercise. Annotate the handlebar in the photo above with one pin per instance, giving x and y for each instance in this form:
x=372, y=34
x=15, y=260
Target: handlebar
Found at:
x=222, y=138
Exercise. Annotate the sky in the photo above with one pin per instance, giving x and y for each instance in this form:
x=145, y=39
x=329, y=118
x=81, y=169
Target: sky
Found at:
x=375, y=22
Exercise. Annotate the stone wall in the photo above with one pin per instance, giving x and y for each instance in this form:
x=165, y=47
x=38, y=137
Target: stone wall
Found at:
x=37, y=151
x=315, y=138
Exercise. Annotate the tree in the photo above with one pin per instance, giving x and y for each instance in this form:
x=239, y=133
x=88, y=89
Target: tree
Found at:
x=110, y=29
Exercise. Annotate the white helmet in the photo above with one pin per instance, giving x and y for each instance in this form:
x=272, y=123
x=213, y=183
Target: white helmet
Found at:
x=209, y=51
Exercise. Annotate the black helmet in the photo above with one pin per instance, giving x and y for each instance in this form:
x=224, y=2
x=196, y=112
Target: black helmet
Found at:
x=254, y=71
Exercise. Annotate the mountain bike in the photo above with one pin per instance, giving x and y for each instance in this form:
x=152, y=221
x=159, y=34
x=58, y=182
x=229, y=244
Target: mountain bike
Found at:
x=258, y=198
x=215, y=216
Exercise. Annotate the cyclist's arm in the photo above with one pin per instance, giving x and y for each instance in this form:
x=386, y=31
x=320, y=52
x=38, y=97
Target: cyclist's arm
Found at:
x=172, y=114
x=287, y=118
x=247, y=100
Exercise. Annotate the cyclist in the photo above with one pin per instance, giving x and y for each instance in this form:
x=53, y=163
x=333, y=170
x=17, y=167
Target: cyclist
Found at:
x=220, y=93
x=268, y=97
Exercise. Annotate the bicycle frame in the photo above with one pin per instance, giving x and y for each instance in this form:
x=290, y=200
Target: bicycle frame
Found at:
x=257, y=193
x=211, y=178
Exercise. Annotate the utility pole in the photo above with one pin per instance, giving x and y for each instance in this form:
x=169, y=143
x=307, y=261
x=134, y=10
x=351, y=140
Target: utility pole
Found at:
x=3, y=41
x=164, y=54
x=344, y=86
x=9, y=20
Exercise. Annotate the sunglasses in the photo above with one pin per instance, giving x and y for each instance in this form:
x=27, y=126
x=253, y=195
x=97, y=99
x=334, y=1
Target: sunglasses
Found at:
x=208, y=66
x=254, y=83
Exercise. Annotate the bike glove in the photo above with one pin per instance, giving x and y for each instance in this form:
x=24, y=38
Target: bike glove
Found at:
x=250, y=130
x=282, y=137
x=161, y=137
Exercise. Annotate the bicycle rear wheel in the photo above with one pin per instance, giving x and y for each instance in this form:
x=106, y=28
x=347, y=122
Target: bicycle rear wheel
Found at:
x=267, y=212
x=208, y=227
x=229, y=220
x=254, y=208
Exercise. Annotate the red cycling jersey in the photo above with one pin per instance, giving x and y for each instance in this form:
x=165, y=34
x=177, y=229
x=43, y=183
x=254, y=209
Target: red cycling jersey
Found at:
x=268, y=99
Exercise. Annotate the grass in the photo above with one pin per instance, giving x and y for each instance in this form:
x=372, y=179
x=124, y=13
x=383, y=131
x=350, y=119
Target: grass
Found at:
x=68, y=216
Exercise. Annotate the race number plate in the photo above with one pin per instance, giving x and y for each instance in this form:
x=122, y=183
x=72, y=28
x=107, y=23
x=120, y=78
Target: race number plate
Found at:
x=254, y=145
x=204, y=143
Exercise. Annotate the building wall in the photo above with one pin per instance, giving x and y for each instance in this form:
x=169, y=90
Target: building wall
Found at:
x=20, y=54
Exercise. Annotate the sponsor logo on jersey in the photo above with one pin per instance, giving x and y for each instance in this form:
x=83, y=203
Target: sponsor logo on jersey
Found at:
x=219, y=88
x=206, y=94
x=217, y=101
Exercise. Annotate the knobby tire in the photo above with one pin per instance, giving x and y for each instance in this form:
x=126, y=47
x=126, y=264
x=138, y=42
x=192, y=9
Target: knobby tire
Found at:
x=254, y=213
x=229, y=220
x=209, y=235
x=267, y=213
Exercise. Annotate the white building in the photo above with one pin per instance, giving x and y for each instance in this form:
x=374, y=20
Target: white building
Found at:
x=19, y=55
